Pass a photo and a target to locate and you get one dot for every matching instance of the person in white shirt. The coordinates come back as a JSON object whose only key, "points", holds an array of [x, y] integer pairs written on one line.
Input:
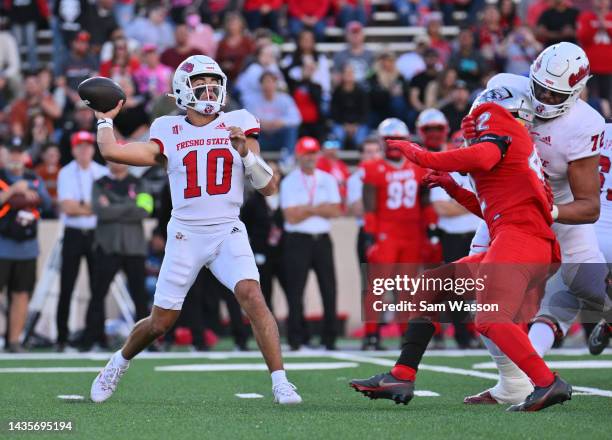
{"points": [[74, 187], [309, 198]]}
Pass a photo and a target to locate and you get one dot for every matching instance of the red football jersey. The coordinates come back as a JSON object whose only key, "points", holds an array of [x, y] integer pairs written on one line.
{"points": [[512, 192], [398, 205]]}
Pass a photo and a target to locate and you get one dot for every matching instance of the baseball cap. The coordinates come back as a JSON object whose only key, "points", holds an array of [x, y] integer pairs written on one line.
{"points": [[306, 145], [354, 26], [81, 137], [82, 36], [332, 144]]}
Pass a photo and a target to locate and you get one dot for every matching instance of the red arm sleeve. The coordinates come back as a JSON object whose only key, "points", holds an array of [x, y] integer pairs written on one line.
{"points": [[479, 157], [465, 198], [585, 32]]}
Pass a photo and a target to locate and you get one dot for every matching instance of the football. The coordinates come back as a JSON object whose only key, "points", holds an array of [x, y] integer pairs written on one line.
{"points": [[101, 94]]}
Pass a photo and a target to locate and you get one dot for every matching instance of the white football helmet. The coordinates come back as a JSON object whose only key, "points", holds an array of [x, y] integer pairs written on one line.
{"points": [[393, 128], [188, 96], [561, 71], [437, 134], [512, 100]]}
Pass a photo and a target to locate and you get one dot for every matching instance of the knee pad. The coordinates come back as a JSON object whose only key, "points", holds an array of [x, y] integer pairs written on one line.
{"points": [[588, 282], [552, 323]]}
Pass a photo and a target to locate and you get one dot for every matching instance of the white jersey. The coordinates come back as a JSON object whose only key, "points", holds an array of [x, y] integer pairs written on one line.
{"points": [[206, 173], [603, 227], [577, 134]]}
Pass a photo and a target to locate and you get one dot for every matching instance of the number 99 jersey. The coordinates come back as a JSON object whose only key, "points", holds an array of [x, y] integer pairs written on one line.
{"points": [[206, 173]]}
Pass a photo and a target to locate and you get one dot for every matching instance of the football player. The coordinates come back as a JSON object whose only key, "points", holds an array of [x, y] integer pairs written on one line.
{"points": [[510, 196], [392, 202], [567, 134], [208, 155]]}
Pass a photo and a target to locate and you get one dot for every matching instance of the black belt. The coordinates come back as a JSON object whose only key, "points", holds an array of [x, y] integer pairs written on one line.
{"points": [[81, 230], [313, 236]]}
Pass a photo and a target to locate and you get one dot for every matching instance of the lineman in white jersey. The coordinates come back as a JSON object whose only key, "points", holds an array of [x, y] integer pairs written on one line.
{"points": [[208, 154], [567, 136], [600, 336]]}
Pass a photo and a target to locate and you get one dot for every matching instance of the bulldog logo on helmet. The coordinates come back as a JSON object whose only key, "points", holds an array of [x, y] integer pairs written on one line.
{"points": [[187, 67]]}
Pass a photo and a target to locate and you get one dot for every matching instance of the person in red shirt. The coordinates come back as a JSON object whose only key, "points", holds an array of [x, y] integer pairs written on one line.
{"points": [[511, 196], [235, 47], [332, 164], [262, 13], [307, 13], [122, 62], [594, 33]]}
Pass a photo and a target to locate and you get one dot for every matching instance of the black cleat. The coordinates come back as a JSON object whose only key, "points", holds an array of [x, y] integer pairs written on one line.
{"points": [[599, 338], [557, 392], [385, 386]]}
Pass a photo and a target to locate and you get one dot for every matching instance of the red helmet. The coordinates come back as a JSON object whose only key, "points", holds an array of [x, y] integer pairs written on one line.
{"points": [[432, 128]]}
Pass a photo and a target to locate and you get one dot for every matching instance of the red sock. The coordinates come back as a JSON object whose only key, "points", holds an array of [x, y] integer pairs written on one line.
{"points": [[371, 329], [403, 372], [514, 342]]}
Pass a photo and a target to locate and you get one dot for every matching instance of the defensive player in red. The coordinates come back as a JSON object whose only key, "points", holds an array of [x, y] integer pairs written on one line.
{"points": [[392, 209], [512, 199]]}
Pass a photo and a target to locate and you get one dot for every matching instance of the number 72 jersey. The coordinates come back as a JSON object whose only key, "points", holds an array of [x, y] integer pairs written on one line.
{"points": [[206, 173]]}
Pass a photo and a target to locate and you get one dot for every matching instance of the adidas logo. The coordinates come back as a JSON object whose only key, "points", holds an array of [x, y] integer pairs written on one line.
{"points": [[546, 140], [235, 230], [221, 126]]}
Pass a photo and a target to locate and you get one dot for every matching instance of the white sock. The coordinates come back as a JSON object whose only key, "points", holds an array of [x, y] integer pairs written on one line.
{"points": [[119, 360], [278, 377], [512, 380], [542, 338]]}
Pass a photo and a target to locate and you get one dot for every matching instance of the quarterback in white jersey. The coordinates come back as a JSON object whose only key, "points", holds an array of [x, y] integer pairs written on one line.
{"points": [[207, 154], [568, 134]]}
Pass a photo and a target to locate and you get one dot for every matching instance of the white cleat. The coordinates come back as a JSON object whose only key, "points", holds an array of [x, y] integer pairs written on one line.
{"points": [[285, 394], [106, 382]]}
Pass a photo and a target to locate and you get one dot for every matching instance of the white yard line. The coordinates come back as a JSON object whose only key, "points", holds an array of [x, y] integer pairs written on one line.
{"points": [[37, 370], [256, 367], [557, 365]]}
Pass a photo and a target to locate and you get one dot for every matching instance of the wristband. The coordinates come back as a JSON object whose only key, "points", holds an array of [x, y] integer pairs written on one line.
{"points": [[554, 212], [249, 160], [105, 123]]}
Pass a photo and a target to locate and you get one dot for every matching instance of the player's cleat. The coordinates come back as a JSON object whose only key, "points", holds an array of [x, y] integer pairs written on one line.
{"points": [[599, 337], [484, 398], [385, 386], [542, 397], [106, 382], [285, 394]]}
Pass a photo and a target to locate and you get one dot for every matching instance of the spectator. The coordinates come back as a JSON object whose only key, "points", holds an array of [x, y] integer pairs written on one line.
{"points": [[351, 10], [120, 205], [48, 170], [18, 238], [279, 117], [356, 54], [469, 7], [349, 110], [509, 19], [24, 17], [74, 190], [411, 63], [152, 78], [71, 18], [458, 107], [124, 12], [10, 72], [248, 84], [100, 22], [263, 219], [37, 137], [557, 23], [201, 35], [387, 90], [132, 122], [82, 119], [437, 93], [262, 13], [411, 12], [420, 82], [467, 61], [153, 262], [35, 100], [308, 97], [519, 50], [602, 105], [306, 52], [307, 14], [329, 162], [122, 62], [490, 33], [235, 46], [76, 67], [153, 28], [182, 49], [595, 37], [108, 48], [436, 39], [309, 198]]}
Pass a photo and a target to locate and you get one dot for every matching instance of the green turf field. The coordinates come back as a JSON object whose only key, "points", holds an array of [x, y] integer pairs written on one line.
{"points": [[155, 404]]}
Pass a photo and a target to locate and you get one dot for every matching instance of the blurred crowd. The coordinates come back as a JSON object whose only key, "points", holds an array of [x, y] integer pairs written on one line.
{"points": [[277, 69]]}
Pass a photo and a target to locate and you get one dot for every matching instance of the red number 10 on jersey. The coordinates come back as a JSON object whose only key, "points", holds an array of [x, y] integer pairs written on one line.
{"points": [[215, 158]]}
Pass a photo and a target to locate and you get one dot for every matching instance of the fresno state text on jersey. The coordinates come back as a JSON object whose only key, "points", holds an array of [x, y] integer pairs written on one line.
{"points": [[206, 173]]}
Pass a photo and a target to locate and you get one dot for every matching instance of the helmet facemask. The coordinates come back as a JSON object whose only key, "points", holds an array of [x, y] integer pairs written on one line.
{"points": [[559, 102], [205, 98]]}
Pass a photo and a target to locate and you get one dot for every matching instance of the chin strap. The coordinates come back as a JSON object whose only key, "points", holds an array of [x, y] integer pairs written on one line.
{"points": [[257, 170]]}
